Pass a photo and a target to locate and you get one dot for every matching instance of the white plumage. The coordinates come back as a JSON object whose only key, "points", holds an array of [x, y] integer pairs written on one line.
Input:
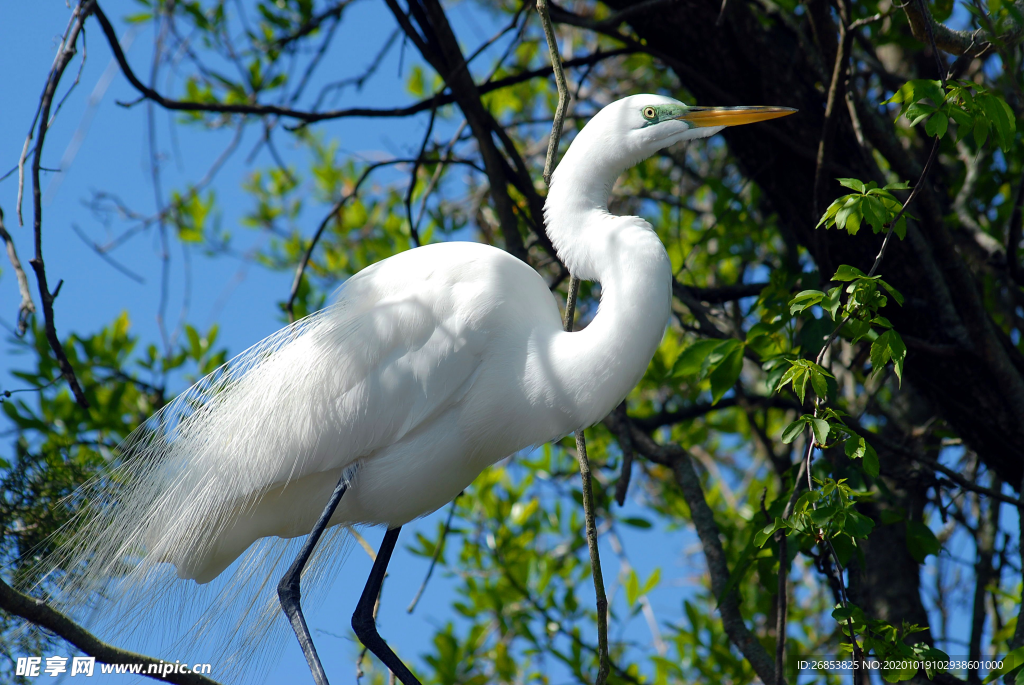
{"points": [[426, 368]]}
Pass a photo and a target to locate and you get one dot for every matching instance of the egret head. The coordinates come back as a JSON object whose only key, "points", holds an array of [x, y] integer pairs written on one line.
{"points": [[635, 127]]}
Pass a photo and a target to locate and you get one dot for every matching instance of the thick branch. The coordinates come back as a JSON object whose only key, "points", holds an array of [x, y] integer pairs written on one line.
{"points": [[41, 614], [970, 43], [703, 518], [438, 46]]}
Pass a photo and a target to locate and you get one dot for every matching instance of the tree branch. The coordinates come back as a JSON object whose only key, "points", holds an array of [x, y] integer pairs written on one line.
{"points": [[41, 614], [676, 458], [300, 271], [64, 57], [309, 117], [970, 43], [312, 25], [27, 308]]}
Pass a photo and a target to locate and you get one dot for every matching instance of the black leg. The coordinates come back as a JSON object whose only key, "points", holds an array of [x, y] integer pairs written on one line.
{"points": [[288, 589], [362, 619]]}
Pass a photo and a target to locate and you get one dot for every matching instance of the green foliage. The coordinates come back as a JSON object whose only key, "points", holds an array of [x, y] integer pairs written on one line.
{"points": [[972, 107], [799, 374], [718, 361], [889, 645], [876, 206]]}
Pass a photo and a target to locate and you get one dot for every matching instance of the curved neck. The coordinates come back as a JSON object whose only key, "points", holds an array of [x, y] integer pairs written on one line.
{"points": [[598, 366], [577, 203]]}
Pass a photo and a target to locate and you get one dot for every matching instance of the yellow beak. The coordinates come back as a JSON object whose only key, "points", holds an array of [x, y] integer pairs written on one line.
{"points": [[732, 116]]}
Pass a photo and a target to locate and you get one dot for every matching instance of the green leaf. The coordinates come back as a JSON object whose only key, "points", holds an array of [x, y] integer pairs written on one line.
{"points": [[726, 373], [833, 302], [851, 209], [845, 272], [841, 613], [819, 383], [652, 582], [937, 125], [889, 345], [1011, 662], [875, 213], [919, 112], [762, 536], [691, 360], [898, 352], [821, 429], [980, 131], [632, 587], [636, 522], [828, 218], [855, 447], [921, 541], [852, 183], [793, 430], [857, 525], [896, 295], [805, 299], [870, 462]]}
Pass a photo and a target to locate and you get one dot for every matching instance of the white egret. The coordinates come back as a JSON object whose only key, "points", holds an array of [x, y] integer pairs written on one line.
{"points": [[427, 368]]}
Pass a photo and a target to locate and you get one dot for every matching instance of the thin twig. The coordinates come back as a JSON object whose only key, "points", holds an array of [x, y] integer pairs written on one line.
{"points": [[64, 57], [570, 308], [102, 254], [300, 271], [413, 229], [437, 555], [563, 90], [27, 308], [437, 174], [312, 116]]}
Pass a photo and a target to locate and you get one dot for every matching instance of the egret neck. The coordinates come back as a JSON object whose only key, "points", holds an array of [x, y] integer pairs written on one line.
{"points": [[600, 364]]}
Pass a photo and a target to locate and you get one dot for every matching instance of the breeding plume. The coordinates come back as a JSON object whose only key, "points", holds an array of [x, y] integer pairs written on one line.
{"points": [[427, 368]]}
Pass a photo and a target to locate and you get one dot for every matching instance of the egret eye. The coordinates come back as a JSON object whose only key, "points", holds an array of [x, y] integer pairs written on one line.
{"points": [[650, 114]]}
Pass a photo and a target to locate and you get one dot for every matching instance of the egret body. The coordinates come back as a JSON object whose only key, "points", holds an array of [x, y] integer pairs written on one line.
{"points": [[427, 368]]}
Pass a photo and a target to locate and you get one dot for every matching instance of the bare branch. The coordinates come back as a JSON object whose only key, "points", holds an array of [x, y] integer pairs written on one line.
{"points": [[570, 307], [312, 25], [677, 459], [836, 93], [27, 308], [309, 117], [43, 615], [437, 555], [414, 232], [300, 271], [64, 57], [970, 43], [969, 485]]}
